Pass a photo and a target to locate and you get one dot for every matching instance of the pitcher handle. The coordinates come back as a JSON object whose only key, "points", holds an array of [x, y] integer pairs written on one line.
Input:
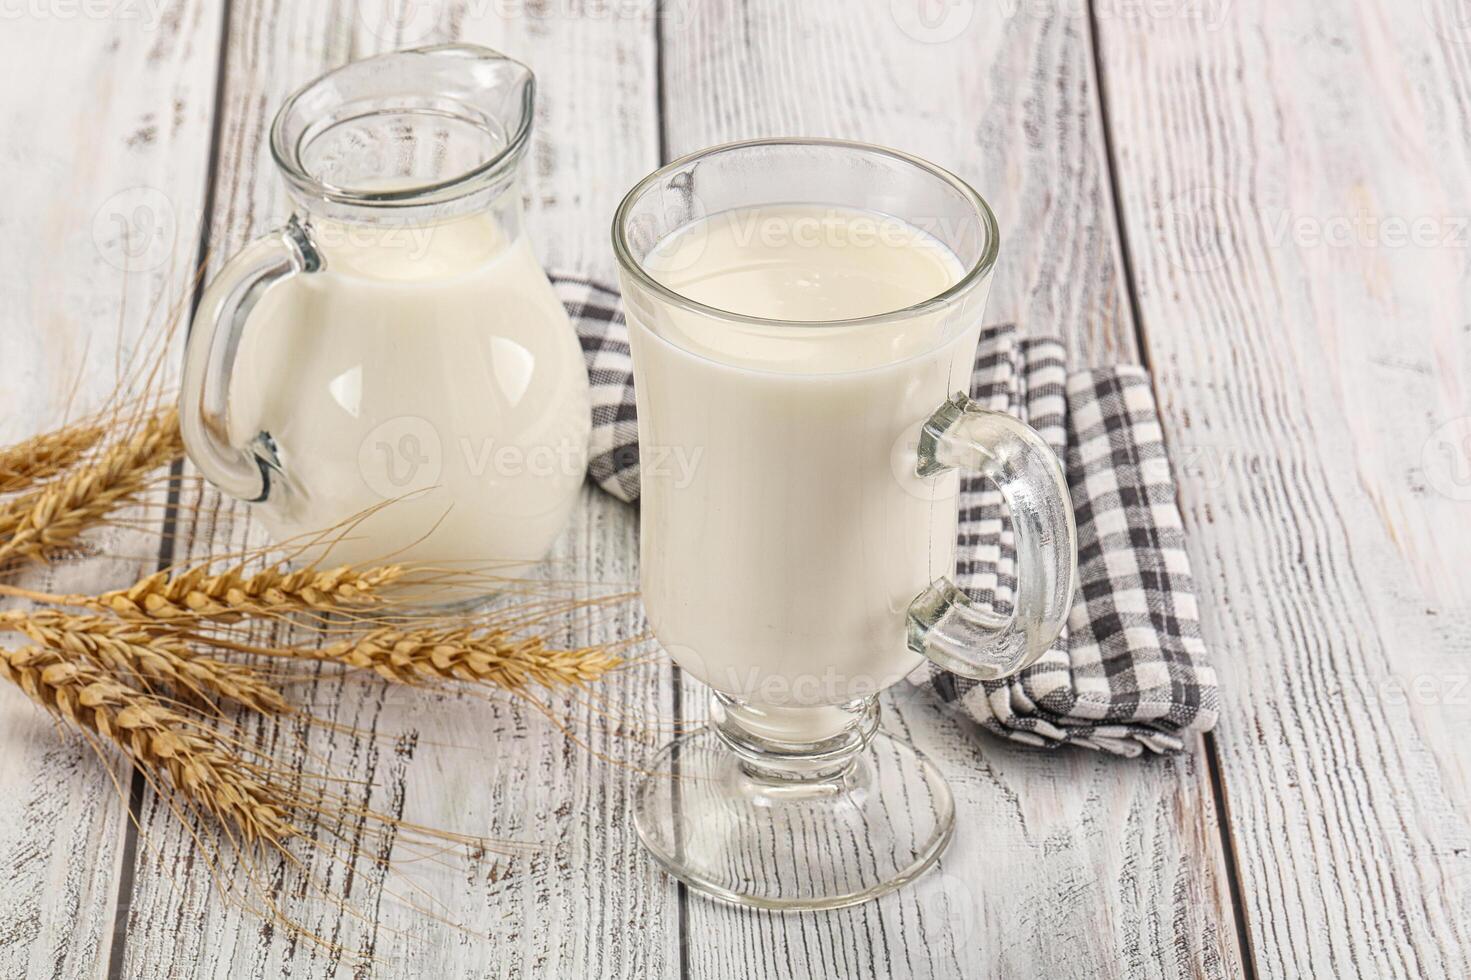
{"points": [[945, 625], [214, 340]]}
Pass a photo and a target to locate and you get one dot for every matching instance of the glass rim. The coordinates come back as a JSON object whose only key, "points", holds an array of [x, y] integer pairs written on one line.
{"points": [[973, 275], [490, 171]]}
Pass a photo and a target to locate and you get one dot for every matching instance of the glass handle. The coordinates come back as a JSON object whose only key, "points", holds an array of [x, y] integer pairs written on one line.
{"points": [[945, 625], [214, 340]]}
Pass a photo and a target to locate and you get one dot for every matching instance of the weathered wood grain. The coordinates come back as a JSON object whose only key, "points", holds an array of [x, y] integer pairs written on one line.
{"points": [[1293, 188], [1289, 370], [104, 182], [585, 902], [1064, 864], [1008, 102]]}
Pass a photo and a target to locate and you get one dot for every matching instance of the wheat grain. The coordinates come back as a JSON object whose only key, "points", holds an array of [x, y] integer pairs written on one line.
{"points": [[146, 655], [198, 760], [53, 515]]}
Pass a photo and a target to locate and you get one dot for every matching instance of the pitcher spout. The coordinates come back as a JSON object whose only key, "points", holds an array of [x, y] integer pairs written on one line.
{"points": [[496, 85], [434, 131]]}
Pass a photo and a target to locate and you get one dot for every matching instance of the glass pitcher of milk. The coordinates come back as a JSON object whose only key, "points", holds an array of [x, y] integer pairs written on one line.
{"points": [[395, 356], [804, 318]]}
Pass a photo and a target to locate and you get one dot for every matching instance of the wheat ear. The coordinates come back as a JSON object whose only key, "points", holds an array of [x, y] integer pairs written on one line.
{"points": [[151, 657], [234, 594], [41, 457], [197, 758], [430, 654], [35, 523]]}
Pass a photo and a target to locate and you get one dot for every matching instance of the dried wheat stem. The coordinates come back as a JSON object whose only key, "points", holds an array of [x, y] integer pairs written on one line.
{"points": [[233, 594], [197, 758], [44, 456], [55, 514], [152, 657]]}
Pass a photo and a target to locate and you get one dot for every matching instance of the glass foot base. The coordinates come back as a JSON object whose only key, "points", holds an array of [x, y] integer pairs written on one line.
{"points": [[774, 843]]}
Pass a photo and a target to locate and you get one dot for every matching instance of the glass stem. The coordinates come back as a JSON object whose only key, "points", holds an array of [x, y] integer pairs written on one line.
{"points": [[803, 745]]}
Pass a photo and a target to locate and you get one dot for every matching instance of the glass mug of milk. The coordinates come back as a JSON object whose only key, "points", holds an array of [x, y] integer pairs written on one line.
{"points": [[396, 351], [803, 315]]}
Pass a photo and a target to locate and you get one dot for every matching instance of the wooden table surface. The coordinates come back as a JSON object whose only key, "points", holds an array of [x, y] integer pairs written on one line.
{"points": [[1264, 202]]}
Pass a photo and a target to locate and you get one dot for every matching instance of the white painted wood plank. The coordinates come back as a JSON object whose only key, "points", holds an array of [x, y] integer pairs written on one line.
{"points": [[587, 903], [1006, 101], [1065, 864], [876, 937], [1293, 185], [100, 114]]}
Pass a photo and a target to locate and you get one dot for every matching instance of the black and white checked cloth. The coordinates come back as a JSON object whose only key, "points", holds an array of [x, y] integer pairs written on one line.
{"points": [[1130, 672]]}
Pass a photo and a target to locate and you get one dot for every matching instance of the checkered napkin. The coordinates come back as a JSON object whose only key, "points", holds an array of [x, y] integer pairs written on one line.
{"points": [[1130, 671]]}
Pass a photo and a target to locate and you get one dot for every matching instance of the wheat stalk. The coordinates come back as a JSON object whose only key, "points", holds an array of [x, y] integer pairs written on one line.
{"points": [[236, 593], [147, 655], [48, 517], [41, 457], [198, 759]]}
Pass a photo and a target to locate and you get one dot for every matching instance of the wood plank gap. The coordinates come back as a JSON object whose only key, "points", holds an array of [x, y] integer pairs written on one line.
{"points": [[1228, 853], [681, 891], [1136, 318], [117, 954], [1110, 164], [659, 100]]}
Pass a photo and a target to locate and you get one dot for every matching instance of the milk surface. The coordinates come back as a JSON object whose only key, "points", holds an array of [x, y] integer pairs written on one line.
{"points": [[433, 367], [784, 533]]}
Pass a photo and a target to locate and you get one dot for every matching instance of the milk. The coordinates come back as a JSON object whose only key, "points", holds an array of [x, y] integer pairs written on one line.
{"points": [[432, 367], [778, 566]]}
